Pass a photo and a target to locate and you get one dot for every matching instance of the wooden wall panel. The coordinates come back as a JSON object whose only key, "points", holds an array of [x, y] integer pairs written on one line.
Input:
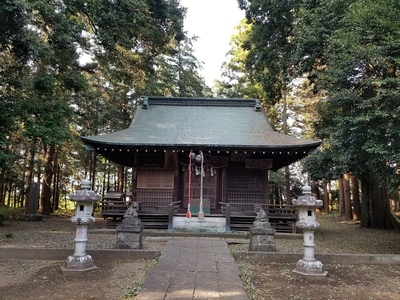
{"points": [[155, 179]]}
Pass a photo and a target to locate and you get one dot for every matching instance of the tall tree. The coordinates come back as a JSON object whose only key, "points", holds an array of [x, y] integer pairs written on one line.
{"points": [[177, 73], [238, 81], [269, 43], [42, 81], [360, 76], [270, 50]]}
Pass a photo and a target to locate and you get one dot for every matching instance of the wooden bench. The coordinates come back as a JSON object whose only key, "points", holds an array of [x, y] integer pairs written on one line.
{"points": [[241, 216]]}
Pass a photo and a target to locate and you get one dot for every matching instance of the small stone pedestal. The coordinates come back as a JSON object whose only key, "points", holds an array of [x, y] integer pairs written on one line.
{"points": [[262, 235], [308, 266], [129, 233], [80, 261]]}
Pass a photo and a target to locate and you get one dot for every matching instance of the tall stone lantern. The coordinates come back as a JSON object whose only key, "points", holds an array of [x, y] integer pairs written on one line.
{"points": [[308, 266], [85, 198]]}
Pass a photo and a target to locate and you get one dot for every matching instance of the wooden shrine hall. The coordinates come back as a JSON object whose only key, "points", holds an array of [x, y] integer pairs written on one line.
{"points": [[238, 147]]}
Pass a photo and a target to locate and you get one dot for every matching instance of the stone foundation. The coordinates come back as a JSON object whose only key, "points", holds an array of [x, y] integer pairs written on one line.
{"points": [[194, 224]]}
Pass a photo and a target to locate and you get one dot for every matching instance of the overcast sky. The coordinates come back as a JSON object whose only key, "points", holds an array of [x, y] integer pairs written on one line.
{"points": [[214, 22]]}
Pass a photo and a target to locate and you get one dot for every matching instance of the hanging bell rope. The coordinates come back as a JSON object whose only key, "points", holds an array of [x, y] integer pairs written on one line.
{"points": [[188, 214]]}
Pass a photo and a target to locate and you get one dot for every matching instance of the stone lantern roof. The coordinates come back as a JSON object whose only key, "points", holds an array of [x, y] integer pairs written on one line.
{"points": [[307, 199]]}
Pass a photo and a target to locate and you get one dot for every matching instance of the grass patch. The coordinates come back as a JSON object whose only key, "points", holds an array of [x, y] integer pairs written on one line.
{"points": [[133, 290], [10, 213], [246, 277]]}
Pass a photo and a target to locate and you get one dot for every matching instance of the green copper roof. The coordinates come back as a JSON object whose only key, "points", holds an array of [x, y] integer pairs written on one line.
{"points": [[163, 123], [202, 123]]}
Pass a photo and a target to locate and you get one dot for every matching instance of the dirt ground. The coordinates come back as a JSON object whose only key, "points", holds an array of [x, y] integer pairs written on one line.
{"points": [[44, 280], [122, 279], [277, 281]]}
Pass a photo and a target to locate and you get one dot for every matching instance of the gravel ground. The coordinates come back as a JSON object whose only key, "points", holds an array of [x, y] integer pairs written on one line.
{"points": [[122, 279], [59, 232], [333, 236], [337, 237]]}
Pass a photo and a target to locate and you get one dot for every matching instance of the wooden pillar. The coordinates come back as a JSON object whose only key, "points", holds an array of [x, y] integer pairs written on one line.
{"points": [[134, 179], [267, 200], [224, 186]]}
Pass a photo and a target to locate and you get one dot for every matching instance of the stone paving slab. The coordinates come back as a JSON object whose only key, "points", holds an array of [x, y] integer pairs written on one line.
{"points": [[194, 268]]}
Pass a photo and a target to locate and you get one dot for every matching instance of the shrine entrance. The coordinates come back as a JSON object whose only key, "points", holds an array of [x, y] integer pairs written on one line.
{"points": [[210, 190]]}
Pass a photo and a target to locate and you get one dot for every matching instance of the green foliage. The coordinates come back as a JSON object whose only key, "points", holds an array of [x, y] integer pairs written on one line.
{"points": [[177, 74], [238, 81], [348, 51], [50, 97], [269, 43], [355, 62], [133, 290], [246, 276], [10, 213], [362, 108]]}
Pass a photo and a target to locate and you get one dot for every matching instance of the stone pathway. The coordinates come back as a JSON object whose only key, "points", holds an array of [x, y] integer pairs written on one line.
{"points": [[194, 268]]}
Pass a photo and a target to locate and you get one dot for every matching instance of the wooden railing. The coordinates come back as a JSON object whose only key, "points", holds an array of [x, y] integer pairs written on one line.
{"points": [[113, 209], [282, 217]]}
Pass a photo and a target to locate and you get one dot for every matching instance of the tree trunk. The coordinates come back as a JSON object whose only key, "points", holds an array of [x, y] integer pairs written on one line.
{"points": [[103, 190], [121, 176], [355, 191], [341, 198], [30, 170], [45, 199], [93, 170], [9, 190], [2, 200], [108, 177], [285, 131], [375, 205], [56, 187], [348, 213], [287, 186], [330, 196], [325, 197], [277, 197]]}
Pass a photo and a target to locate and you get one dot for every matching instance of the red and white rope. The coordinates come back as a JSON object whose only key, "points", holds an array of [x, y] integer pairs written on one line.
{"points": [[188, 214]]}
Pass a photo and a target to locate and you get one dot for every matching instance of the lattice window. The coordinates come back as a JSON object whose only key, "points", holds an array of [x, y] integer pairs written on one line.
{"points": [[154, 196], [245, 186]]}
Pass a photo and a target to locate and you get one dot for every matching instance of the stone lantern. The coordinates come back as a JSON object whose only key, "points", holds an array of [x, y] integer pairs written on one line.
{"points": [[308, 265], [85, 198]]}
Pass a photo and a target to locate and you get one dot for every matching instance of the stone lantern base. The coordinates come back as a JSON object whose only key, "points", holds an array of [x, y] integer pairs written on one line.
{"points": [[310, 269], [262, 237], [78, 264]]}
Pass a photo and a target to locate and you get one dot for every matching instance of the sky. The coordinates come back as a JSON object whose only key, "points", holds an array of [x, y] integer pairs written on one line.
{"points": [[213, 21]]}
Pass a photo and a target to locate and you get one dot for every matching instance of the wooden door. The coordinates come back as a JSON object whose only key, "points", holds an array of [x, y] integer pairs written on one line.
{"points": [[210, 183]]}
